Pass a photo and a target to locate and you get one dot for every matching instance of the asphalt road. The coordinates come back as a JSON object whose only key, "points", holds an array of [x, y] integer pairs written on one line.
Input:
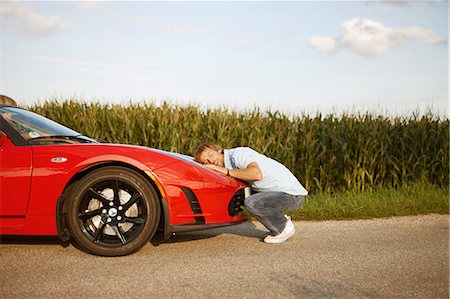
{"points": [[406, 257]]}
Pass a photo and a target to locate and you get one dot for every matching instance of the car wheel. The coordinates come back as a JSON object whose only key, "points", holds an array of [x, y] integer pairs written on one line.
{"points": [[113, 211]]}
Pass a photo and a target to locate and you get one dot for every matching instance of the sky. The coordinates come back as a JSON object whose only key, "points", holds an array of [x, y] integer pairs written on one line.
{"points": [[386, 57]]}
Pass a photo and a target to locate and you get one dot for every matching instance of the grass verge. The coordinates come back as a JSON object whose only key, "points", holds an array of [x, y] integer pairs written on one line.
{"points": [[413, 199]]}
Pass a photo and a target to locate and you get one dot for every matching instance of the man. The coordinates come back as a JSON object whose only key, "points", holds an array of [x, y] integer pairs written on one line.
{"points": [[277, 189], [7, 100]]}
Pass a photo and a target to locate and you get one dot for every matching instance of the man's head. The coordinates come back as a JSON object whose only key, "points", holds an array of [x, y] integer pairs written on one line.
{"points": [[210, 153], [7, 100]]}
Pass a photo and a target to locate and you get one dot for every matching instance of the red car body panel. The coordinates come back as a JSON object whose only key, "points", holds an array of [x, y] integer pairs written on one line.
{"points": [[34, 177], [210, 188], [15, 177]]}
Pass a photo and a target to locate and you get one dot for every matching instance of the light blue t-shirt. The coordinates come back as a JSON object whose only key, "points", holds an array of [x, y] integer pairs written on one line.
{"points": [[276, 177]]}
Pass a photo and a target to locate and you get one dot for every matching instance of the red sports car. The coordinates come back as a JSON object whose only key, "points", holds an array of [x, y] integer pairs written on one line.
{"points": [[109, 198]]}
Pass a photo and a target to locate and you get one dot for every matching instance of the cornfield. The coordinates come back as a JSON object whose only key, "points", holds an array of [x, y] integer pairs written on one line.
{"points": [[327, 153]]}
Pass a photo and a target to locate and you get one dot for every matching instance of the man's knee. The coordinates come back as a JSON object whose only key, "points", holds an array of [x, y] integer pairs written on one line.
{"points": [[252, 203], [248, 202]]}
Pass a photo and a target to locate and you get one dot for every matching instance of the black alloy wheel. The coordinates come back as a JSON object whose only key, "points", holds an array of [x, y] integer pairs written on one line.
{"points": [[113, 211]]}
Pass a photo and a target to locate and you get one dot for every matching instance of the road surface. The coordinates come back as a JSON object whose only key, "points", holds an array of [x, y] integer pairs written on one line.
{"points": [[404, 257]]}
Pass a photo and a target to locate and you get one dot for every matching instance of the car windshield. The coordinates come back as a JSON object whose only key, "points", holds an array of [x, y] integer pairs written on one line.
{"points": [[34, 125]]}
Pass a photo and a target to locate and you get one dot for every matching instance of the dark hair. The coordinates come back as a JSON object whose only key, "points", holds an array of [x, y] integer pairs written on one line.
{"points": [[203, 147], [7, 100]]}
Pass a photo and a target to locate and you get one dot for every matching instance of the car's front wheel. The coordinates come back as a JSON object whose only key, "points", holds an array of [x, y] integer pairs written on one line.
{"points": [[113, 211]]}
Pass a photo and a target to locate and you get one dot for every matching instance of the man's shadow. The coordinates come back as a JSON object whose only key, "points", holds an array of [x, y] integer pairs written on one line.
{"points": [[246, 229]]}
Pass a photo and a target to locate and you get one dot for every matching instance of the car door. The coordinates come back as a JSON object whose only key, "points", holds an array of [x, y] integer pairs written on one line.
{"points": [[15, 176]]}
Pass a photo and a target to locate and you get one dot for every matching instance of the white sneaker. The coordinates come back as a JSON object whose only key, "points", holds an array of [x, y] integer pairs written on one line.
{"points": [[287, 232]]}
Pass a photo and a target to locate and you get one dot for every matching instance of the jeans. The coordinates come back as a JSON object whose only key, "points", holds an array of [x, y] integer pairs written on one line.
{"points": [[267, 207]]}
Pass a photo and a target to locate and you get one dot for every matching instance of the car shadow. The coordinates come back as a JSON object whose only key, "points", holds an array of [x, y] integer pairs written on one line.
{"points": [[245, 229], [30, 240]]}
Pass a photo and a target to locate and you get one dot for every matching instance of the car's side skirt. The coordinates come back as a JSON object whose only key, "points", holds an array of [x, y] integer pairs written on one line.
{"points": [[180, 228], [29, 225]]}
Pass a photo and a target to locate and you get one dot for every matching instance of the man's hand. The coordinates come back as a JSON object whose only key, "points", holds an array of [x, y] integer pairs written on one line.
{"points": [[220, 169]]}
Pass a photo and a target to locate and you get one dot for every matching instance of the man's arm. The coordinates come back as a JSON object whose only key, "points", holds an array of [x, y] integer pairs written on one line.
{"points": [[250, 174]]}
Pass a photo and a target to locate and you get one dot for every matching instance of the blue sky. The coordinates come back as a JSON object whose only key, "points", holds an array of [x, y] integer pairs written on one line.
{"points": [[296, 56]]}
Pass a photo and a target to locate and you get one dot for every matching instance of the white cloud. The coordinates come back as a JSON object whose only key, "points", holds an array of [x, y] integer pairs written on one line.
{"points": [[91, 5], [370, 38], [387, 5], [31, 22], [183, 29], [101, 8], [423, 34], [102, 70], [324, 44], [177, 29], [243, 42], [200, 30], [250, 40]]}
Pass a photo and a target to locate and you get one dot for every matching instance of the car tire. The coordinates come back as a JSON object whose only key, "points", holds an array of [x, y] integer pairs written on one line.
{"points": [[113, 211]]}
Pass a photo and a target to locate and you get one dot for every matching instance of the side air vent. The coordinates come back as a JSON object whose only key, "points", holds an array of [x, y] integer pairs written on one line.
{"points": [[234, 207], [195, 205]]}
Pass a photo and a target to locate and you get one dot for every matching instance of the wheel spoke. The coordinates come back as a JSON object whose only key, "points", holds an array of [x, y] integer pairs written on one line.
{"points": [[92, 193], [99, 231], [136, 220], [115, 187], [132, 201], [119, 234], [90, 214]]}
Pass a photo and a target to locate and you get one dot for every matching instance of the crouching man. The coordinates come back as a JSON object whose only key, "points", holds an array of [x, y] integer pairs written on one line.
{"points": [[277, 189]]}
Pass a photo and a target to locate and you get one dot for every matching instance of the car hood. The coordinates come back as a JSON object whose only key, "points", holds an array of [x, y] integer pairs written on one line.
{"points": [[164, 165]]}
